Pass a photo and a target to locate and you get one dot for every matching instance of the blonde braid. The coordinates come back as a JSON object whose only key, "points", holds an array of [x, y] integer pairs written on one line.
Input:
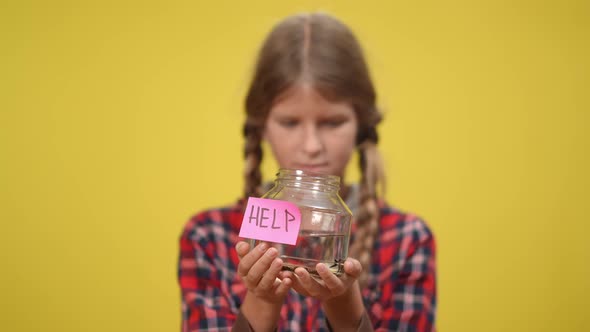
{"points": [[367, 218], [253, 159]]}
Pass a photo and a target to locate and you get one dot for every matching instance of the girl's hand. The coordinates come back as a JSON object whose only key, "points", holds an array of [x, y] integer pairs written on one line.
{"points": [[259, 270], [330, 285]]}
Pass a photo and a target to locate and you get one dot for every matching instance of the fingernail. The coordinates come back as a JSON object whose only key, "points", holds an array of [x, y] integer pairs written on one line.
{"points": [[239, 245], [299, 272], [277, 263], [262, 247], [271, 252]]}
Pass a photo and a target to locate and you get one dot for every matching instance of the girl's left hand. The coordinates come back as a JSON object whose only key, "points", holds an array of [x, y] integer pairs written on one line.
{"points": [[330, 285]]}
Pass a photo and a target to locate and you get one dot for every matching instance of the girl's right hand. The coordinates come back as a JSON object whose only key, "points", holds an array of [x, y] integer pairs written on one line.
{"points": [[259, 269]]}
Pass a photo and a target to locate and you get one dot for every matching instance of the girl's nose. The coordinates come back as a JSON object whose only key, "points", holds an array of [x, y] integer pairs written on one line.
{"points": [[312, 143]]}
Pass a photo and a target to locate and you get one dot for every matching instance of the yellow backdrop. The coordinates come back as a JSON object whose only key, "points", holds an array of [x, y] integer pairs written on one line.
{"points": [[120, 119]]}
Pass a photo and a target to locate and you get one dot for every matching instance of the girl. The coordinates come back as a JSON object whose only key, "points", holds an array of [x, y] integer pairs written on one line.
{"points": [[312, 100]]}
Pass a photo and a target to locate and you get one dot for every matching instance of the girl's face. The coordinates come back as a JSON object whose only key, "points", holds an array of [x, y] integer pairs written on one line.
{"points": [[308, 132]]}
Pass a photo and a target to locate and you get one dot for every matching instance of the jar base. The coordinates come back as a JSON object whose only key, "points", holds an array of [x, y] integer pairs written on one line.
{"points": [[336, 267]]}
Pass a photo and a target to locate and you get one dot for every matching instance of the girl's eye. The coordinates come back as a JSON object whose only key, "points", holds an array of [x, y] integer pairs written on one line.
{"points": [[333, 123], [288, 123]]}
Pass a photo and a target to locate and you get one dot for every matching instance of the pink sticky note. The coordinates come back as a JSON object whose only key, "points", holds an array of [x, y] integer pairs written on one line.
{"points": [[271, 220]]}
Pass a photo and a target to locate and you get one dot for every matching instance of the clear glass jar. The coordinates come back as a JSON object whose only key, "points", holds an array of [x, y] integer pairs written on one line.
{"points": [[324, 233]]}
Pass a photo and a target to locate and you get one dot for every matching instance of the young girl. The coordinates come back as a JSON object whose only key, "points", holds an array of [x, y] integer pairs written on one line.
{"points": [[312, 100]]}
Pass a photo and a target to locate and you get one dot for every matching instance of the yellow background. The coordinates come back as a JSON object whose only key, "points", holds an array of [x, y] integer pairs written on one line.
{"points": [[119, 120]]}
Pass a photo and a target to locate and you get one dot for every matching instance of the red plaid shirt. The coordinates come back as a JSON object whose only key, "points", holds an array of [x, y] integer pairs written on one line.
{"points": [[400, 295]]}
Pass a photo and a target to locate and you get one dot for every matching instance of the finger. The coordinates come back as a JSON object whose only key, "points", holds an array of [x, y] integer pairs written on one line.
{"points": [[286, 274], [269, 278], [353, 268], [283, 287], [298, 286], [331, 281], [307, 281], [295, 282], [262, 266], [242, 248], [250, 258]]}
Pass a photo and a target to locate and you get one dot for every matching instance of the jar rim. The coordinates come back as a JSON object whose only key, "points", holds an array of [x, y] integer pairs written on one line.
{"points": [[329, 179]]}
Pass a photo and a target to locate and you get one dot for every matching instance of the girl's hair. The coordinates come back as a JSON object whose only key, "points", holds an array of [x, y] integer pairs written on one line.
{"points": [[318, 49]]}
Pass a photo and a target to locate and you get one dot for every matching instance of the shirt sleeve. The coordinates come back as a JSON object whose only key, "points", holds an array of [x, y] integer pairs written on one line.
{"points": [[205, 306], [412, 305], [242, 324], [364, 324]]}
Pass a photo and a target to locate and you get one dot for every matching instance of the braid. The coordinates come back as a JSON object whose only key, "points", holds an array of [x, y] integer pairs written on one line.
{"points": [[367, 218], [253, 159]]}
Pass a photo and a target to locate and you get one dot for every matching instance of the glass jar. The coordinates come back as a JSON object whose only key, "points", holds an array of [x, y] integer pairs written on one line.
{"points": [[324, 231]]}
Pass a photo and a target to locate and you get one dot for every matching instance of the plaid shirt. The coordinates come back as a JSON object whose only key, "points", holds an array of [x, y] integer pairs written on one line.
{"points": [[400, 295]]}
